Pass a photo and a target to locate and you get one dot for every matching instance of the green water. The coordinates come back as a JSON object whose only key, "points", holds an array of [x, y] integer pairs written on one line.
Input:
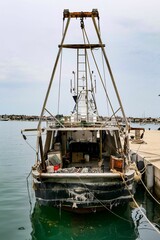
{"points": [[19, 220], [52, 224]]}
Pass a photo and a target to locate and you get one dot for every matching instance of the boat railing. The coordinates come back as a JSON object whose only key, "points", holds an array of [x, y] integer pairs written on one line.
{"points": [[70, 124]]}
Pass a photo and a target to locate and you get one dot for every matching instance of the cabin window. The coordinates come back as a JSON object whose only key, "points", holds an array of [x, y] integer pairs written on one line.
{"points": [[110, 142]]}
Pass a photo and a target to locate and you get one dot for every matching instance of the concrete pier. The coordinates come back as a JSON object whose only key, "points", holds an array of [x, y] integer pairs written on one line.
{"points": [[149, 150]]}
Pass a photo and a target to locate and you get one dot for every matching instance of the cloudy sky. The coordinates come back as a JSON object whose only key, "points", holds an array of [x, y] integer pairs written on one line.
{"points": [[30, 31]]}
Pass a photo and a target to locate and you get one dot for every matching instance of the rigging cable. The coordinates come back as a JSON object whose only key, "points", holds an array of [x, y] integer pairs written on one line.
{"points": [[60, 74], [92, 92], [111, 74], [104, 74], [25, 138], [59, 122], [101, 78]]}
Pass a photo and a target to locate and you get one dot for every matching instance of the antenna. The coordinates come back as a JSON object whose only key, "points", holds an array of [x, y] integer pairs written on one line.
{"points": [[71, 86], [95, 86], [74, 86]]}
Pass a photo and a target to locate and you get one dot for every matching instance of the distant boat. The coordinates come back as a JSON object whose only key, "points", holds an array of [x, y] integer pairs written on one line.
{"points": [[83, 163], [4, 119]]}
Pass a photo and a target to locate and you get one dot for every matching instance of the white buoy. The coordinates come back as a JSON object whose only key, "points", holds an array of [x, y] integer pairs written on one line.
{"points": [[150, 176]]}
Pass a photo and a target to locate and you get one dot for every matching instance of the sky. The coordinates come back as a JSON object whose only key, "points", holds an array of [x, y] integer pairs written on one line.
{"points": [[30, 31]]}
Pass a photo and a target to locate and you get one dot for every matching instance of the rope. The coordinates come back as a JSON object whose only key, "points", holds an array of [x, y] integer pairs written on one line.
{"points": [[25, 138], [138, 149], [138, 205], [144, 170], [55, 118], [60, 75], [59, 87], [105, 82], [149, 192], [87, 60], [29, 196], [101, 78], [124, 219]]}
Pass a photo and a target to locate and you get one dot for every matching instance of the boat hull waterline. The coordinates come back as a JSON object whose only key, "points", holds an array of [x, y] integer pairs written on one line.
{"points": [[83, 192]]}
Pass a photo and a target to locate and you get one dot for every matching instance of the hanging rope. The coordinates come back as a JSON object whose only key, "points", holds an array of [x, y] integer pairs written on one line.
{"points": [[143, 171], [137, 203], [124, 219], [25, 138], [149, 192], [29, 195]]}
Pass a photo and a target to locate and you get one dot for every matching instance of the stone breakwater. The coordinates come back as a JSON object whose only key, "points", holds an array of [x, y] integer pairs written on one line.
{"points": [[19, 118], [36, 118]]}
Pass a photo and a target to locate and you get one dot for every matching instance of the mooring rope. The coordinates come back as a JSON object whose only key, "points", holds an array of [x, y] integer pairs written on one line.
{"points": [[137, 204], [149, 192], [132, 199], [142, 172], [124, 219]]}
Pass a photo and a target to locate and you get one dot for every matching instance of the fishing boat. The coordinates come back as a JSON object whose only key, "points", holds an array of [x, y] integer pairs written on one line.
{"points": [[83, 161]]}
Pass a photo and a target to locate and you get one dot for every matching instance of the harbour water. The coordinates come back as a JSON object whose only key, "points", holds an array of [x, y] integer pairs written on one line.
{"points": [[22, 220]]}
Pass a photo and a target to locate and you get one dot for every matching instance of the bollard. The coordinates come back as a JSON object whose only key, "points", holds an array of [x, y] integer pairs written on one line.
{"points": [[150, 176]]}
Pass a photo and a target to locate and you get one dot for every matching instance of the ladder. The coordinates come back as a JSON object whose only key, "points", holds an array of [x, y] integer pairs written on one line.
{"points": [[82, 84]]}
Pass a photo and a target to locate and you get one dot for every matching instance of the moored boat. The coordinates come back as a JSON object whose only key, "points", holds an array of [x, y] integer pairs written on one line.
{"points": [[83, 163]]}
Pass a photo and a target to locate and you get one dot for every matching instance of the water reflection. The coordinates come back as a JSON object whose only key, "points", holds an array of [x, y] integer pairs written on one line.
{"points": [[150, 209], [143, 227], [48, 223]]}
